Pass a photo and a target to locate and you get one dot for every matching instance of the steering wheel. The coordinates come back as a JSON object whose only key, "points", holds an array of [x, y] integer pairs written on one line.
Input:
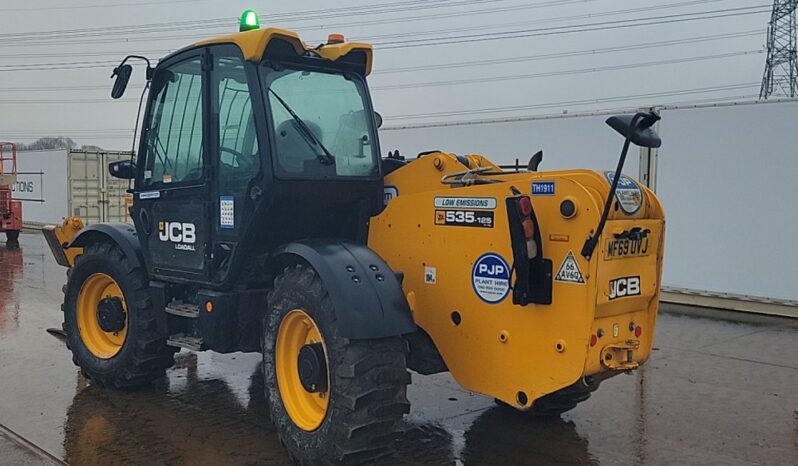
{"points": [[244, 162]]}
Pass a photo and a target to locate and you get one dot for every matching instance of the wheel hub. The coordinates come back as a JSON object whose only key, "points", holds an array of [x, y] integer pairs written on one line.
{"points": [[312, 367], [111, 314]]}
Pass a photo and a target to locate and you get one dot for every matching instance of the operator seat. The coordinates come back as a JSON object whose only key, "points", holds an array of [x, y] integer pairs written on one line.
{"points": [[293, 149]]}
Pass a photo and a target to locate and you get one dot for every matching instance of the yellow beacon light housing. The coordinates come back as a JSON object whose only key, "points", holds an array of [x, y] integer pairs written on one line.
{"points": [[249, 21]]}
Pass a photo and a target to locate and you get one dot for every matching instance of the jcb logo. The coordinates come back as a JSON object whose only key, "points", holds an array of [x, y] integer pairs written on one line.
{"points": [[626, 286], [177, 232]]}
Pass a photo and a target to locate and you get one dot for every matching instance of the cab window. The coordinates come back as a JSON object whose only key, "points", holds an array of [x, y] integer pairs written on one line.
{"points": [[237, 151], [321, 124], [173, 131]]}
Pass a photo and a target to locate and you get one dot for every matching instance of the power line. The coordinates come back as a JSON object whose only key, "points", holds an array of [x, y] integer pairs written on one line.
{"points": [[75, 39], [571, 17], [99, 5], [494, 79], [574, 53], [203, 24], [416, 85], [126, 133], [588, 27], [517, 108], [463, 64]]}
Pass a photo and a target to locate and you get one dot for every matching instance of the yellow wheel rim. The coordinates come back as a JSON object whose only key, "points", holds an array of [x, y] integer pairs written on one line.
{"points": [[102, 344], [306, 409]]}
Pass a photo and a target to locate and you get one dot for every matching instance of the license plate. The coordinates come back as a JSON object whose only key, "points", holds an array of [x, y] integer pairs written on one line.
{"points": [[621, 248]]}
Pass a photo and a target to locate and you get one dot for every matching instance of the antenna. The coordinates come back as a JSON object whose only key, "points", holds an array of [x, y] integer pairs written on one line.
{"points": [[781, 65]]}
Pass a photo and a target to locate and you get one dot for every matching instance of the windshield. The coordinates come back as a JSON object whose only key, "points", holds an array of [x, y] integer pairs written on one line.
{"points": [[321, 124]]}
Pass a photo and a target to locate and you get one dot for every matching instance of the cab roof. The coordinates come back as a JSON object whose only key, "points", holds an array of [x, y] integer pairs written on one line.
{"points": [[257, 43]]}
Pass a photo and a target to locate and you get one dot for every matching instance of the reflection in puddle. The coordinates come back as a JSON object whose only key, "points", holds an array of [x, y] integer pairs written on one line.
{"points": [[10, 273]]}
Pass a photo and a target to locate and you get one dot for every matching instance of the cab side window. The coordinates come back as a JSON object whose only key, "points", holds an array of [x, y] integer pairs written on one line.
{"points": [[238, 153], [173, 137]]}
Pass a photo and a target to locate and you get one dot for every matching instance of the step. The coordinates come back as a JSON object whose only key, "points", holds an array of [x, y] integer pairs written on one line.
{"points": [[183, 310], [182, 341]]}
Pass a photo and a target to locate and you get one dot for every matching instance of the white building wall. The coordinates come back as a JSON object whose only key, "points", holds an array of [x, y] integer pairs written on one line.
{"points": [[726, 175], [727, 179]]}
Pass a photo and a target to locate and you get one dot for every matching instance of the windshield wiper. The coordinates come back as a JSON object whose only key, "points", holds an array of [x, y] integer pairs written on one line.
{"points": [[306, 132]]}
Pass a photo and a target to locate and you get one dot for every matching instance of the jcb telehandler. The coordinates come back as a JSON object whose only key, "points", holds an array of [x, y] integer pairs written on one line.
{"points": [[265, 220]]}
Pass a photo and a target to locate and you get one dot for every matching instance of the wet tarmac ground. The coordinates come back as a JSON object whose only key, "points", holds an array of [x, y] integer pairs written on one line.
{"points": [[714, 392]]}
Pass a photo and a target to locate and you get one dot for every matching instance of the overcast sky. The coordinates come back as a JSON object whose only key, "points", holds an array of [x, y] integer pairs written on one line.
{"points": [[434, 60]]}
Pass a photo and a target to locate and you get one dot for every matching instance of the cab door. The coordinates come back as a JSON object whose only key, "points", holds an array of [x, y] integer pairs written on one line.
{"points": [[171, 208], [236, 156]]}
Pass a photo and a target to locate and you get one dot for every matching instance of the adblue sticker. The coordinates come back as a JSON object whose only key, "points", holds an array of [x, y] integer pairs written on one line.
{"points": [[490, 278], [628, 193]]}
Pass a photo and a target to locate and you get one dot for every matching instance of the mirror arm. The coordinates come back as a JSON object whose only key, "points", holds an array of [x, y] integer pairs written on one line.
{"points": [[592, 240], [150, 69]]}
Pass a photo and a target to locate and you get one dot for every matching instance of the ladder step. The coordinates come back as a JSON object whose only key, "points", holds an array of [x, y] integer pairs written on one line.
{"points": [[183, 310], [183, 341]]}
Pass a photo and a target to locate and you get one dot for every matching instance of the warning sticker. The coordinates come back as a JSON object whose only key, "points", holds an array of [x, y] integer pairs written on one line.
{"points": [[490, 278], [430, 275], [569, 270], [628, 193], [227, 212]]}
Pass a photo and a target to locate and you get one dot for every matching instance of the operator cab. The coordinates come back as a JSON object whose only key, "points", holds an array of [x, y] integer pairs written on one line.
{"points": [[249, 141]]}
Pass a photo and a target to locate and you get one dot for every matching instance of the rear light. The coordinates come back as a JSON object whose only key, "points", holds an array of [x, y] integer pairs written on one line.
{"points": [[638, 331], [593, 340], [529, 228], [532, 272], [525, 206]]}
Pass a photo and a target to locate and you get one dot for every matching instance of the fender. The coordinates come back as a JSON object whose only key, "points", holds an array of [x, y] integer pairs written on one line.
{"points": [[123, 234], [367, 295]]}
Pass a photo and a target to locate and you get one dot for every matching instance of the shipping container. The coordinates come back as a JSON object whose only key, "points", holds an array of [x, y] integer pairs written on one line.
{"points": [[54, 184]]}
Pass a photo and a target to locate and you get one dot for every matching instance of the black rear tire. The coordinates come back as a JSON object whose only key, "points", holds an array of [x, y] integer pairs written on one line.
{"points": [[367, 380], [144, 355], [12, 235]]}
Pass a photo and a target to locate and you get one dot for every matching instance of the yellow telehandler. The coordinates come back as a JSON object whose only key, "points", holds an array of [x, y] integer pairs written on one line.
{"points": [[265, 220]]}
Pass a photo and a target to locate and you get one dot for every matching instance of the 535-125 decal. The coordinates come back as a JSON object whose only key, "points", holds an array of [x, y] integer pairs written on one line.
{"points": [[464, 218]]}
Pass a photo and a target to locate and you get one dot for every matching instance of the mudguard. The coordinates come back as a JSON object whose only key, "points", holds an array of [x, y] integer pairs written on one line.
{"points": [[367, 295], [123, 234]]}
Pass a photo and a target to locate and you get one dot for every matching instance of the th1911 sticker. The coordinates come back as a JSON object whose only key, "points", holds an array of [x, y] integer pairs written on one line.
{"points": [[543, 188], [490, 278], [628, 193], [464, 218], [569, 271]]}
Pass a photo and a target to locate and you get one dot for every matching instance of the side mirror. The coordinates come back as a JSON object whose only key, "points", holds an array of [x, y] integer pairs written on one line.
{"points": [[378, 120], [642, 135], [123, 169], [122, 74]]}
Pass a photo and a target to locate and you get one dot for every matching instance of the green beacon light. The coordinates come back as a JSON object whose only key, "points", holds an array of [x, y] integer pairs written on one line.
{"points": [[249, 21]]}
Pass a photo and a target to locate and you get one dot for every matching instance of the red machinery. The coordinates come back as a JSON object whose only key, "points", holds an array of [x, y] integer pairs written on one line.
{"points": [[10, 210]]}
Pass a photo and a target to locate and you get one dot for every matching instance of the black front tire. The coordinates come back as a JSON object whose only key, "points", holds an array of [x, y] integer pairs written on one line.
{"points": [[144, 355], [368, 380]]}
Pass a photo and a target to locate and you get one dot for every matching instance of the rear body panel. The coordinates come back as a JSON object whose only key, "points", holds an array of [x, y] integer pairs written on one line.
{"points": [[452, 243]]}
